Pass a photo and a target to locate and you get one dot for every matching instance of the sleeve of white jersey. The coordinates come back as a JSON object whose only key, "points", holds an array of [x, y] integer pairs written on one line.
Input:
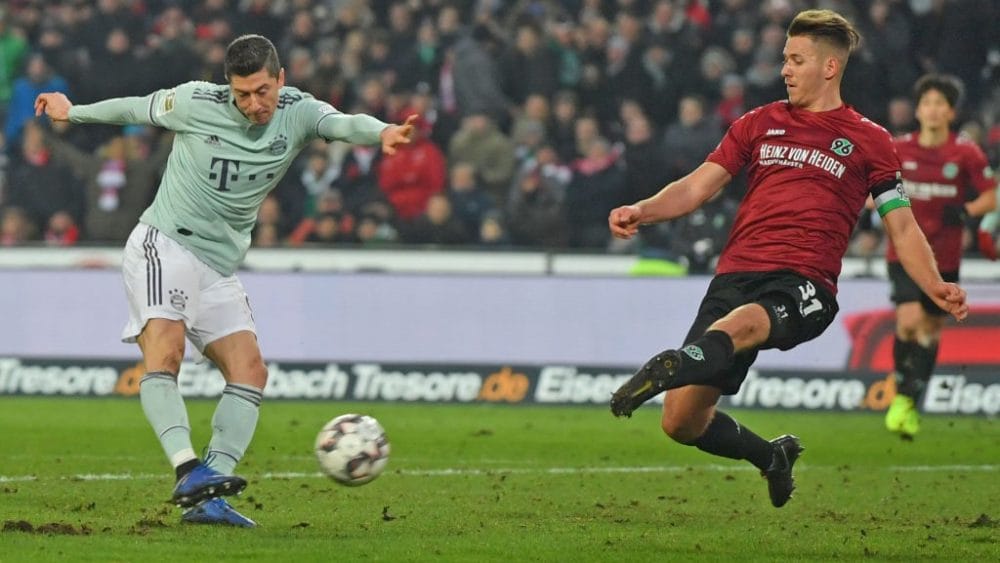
{"points": [[322, 120], [164, 108]]}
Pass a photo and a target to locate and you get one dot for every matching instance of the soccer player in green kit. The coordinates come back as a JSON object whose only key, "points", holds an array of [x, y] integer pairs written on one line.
{"points": [[233, 144]]}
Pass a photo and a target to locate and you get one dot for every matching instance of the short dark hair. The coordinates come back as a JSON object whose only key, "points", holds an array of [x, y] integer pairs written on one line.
{"points": [[828, 26], [949, 86], [248, 54]]}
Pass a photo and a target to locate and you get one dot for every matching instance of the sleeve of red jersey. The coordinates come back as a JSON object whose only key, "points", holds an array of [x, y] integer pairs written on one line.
{"points": [[883, 159], [733, 151], [980, 174]]}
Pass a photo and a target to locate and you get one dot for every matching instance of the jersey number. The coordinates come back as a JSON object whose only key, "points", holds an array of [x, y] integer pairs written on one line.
{"points": [[808, 291]]}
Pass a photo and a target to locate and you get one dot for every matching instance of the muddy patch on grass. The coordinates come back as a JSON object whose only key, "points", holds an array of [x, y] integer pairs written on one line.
{"points": [[49, 528]]}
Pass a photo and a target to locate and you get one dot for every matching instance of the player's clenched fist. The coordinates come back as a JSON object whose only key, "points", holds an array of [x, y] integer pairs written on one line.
{"points": [[624, 221], [53, 104]]}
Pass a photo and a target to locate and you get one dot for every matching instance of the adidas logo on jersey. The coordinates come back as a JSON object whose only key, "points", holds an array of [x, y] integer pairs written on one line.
{"points": [[213, 140], [775, 132]]}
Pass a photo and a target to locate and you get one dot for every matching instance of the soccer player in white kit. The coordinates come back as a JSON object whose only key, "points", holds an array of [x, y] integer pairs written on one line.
{"points": [[233, 144]]}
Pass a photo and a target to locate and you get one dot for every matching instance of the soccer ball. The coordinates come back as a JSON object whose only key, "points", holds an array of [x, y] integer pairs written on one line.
{"points": [[352, 449]]}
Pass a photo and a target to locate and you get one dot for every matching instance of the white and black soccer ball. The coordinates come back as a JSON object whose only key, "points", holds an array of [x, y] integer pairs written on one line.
{"points": [[352, 449]]}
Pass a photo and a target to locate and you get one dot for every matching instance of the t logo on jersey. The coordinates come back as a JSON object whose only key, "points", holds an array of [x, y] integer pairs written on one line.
{"points": [[842, 147], [229, 172]]}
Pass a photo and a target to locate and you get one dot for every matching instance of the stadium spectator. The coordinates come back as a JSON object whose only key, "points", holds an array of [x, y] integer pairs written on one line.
{"points": [[646, 169], [356, 179], [491, 231], [481, 143], [733, 104], [38, 78], [13, 49], [39, 184], [437, 225], [119, 179], [529, 65], [332, 229], [562, 129], [115, 57], [535, 205], [688, 140], [475, 84], [420, 65], [16, 227], [329, 202], [376, 226], [598, 184], [410, 177], [388, 51], [900, 119], [318, 177], [61, 230]]}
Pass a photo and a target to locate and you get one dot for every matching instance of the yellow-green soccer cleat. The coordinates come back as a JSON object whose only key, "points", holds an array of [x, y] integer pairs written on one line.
{"points": [[902, 416]]}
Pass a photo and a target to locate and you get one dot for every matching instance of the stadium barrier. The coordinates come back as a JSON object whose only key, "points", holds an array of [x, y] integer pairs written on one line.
{"points": [[534, 327], [973, 394]]}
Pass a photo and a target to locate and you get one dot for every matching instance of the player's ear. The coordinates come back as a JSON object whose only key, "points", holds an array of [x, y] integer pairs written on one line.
{"points": [[832, 67]]}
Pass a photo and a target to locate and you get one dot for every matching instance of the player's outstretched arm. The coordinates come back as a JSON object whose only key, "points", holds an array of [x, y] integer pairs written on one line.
{"points": [[918, 261], [395, 135], [55, 105], [113, 111], [678, 198]]}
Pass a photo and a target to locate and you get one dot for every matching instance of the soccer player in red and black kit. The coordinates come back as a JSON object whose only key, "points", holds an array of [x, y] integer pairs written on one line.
{"points": [[938, 167], [812, 161]]}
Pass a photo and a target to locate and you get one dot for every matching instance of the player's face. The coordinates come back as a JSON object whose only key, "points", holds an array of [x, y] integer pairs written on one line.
{"points": [[257, 94], [804, 70], [934, 111]]}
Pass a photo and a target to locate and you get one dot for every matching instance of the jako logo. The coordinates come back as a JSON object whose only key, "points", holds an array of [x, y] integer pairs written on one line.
{"points": [[775, 132]]}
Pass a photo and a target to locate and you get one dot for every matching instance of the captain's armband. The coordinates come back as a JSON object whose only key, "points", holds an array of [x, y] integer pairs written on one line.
{"points": [[889, 195]]}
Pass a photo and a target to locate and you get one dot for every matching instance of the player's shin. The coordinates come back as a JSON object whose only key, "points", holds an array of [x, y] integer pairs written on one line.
{"points": [[725, 437], [233, 426], [914, 364], [924, 360], [164, 408]]}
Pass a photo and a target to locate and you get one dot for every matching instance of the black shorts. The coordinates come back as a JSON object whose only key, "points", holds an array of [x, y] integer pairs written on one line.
{"points": [[905, 290], [800, 310]]}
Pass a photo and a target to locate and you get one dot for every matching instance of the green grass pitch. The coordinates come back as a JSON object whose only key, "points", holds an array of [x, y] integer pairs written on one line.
{"points": [[85, 480]]}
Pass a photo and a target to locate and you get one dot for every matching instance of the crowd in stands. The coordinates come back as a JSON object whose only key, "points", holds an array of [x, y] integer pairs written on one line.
{"points": [[536, 117]]}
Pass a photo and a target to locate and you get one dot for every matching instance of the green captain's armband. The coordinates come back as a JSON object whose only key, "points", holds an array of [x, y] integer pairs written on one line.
{"points": [[889, 195]]}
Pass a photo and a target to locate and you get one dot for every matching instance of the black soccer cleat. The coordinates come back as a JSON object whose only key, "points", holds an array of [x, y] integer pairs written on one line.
{"points": [[780, 482], [651, 380]]}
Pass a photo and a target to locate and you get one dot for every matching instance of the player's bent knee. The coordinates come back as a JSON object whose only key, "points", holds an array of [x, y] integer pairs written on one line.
{"points": [[682, 429], [253, 374]]}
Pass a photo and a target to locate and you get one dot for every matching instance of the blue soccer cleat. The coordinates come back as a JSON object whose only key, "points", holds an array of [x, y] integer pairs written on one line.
{"points": [[203, 483], [216, 511]]}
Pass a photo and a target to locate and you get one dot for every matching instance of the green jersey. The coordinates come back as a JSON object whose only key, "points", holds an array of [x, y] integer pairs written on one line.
{"points": [[222, 165]]}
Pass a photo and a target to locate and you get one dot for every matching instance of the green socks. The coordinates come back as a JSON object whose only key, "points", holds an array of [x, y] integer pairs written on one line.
{"points": [[233, 426]]}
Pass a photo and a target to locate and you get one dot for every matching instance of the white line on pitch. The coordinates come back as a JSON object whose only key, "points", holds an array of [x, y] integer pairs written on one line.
{"points": [[471, 471], [933, 468]]}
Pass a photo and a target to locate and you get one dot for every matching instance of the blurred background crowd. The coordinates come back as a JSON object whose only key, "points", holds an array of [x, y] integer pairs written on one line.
{"points": [[536, 116]]}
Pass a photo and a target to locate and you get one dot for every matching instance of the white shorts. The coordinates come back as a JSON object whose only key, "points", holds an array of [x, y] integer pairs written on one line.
{"points": [[164, 280]]}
